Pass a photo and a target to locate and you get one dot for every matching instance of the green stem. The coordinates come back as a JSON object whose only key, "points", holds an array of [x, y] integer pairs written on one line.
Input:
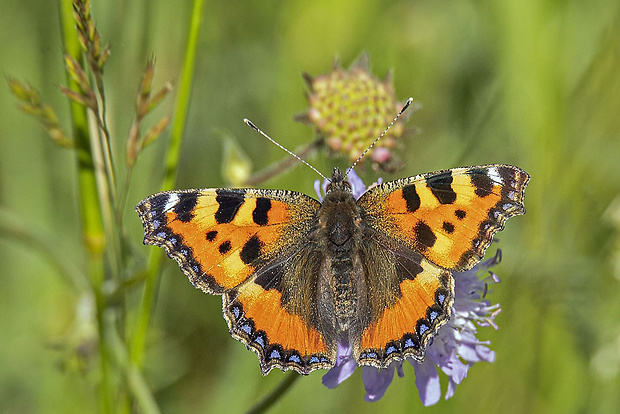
{"points": [[172, 161], [183, 97], [284, 165], [91, 216], [131, 374], [275, 395]]}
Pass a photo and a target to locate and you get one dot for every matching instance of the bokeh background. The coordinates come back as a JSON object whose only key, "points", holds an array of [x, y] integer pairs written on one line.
{"points": [[532, 83]]}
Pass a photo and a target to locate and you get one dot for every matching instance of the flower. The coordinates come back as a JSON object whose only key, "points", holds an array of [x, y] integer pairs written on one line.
{"points": [[349, 108], [453, 350]]}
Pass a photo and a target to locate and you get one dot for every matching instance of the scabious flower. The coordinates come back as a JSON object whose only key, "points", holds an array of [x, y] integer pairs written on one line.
{"points": [[350, 108], [453, 350]]}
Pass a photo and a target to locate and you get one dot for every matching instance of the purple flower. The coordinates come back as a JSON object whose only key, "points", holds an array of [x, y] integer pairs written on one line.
{"points": [[345, 365], [453, 350]]}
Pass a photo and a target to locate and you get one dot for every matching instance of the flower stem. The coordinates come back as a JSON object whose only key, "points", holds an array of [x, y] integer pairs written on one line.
{"points": [[183, 97], [132, 376], [285, 164], [274, 395], [90, 208], [172, 161]]}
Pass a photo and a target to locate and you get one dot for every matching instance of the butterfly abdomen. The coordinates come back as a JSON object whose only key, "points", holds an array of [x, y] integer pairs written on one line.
{"points": [[339, 220]]}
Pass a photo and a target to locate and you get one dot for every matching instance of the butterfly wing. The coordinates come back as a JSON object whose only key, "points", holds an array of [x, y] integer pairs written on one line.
{"points": [[449, 216], [409, 299], [427, 225], [249, 246]]}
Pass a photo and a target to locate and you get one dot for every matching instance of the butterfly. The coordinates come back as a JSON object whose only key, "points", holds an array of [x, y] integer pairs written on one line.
{"points": [[298, 277]]}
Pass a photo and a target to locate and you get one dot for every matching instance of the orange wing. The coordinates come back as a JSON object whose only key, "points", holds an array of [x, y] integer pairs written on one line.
{"points": [[449, 216], [409, 298], [238, 242], [258, 316], [427, 225]]}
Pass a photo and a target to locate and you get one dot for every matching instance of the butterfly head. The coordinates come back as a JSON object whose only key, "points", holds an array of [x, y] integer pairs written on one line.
{"points": [[338, 182]]}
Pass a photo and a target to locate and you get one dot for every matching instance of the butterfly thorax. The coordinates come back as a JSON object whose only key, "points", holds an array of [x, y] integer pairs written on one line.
{"points": [[340, 287]]}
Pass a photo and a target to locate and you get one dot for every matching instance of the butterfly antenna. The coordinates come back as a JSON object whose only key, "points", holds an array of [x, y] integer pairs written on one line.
{"points": [[257, 129], [380, 136]]}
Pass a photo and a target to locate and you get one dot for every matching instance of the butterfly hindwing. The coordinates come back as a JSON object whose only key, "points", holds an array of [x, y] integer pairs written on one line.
{"points": [[276, 313], [410, 300], [239, 243]]}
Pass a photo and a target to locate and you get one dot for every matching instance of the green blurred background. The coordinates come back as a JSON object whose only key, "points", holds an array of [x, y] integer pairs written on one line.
{"points": [[532, 83]]}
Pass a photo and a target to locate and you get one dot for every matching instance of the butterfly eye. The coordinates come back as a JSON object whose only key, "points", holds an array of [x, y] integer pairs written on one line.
{"points": [[347, 184], [329, 186]]}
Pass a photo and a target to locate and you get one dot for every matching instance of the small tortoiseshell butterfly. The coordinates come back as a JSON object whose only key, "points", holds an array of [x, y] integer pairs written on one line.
{"points": [[299, 276]]}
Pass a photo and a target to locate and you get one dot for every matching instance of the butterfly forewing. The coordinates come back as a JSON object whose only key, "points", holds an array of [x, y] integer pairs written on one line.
{"points": [[448, 216]]}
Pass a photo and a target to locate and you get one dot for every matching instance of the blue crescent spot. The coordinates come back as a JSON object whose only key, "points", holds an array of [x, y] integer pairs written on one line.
{"points": [[260, 340], [433, 315], [441, 298]]}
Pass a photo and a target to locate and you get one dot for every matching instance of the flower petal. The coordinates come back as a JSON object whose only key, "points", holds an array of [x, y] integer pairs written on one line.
{"points": [[376, 381], [338, 374], [357, 185], [427, 381], [317, 188], [345, 366], [451, 389]]}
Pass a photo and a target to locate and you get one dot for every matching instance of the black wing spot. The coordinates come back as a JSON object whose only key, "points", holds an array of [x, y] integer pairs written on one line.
{"points": [[211, 235], [448, 227], [425, 237], [225, 247], [441, 187], [251, 250], [271, 278], [460, 214], [184, 208], [412, 198], [407, 269], [481, 180], [229, 205], [260, 214]]}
